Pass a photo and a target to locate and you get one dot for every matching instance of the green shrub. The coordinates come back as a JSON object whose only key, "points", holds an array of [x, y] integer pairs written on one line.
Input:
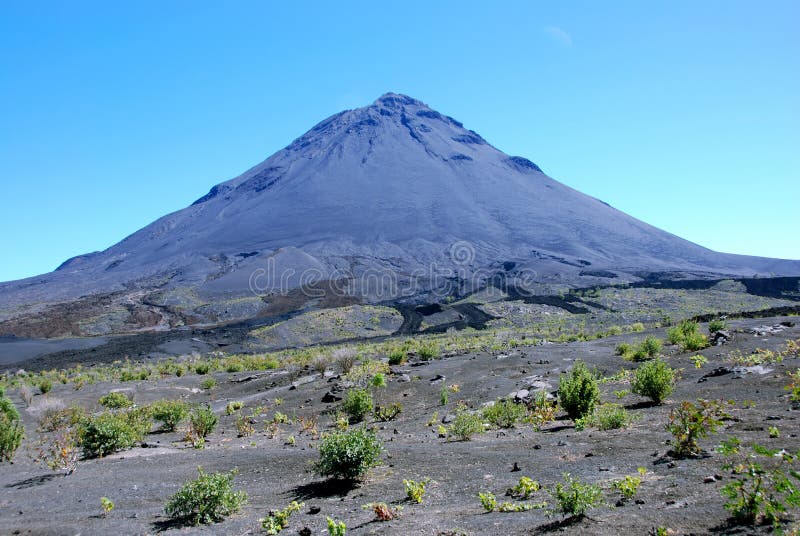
{"points": [[336, 528], [208, 384], [690, 422], [465, 425], [357, 404], [627, 486], [387, 413], [8, 408], [654, 379], [504, 413], [107, 433], [277, 520], [651, 346], [688, 336], [348, 454], [427, 352], [575, 498], [488, 501], [45, 386], [578, 392], [764, 485], [637, 327], [207, 499], [115, 400], [415, 489], [233, 407], [202, 368], [716, 325], [169, 412], [524, 488], [694, 342], [11, 435], [397, 357], [623, 349], [203, 420], [611, 417]]}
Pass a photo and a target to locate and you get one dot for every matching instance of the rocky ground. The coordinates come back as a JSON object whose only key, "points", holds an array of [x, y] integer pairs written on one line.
{"points": [[681, 495]]}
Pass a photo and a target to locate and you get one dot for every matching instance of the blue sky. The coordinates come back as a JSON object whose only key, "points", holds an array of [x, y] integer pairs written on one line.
{"points": [[683, 114]]}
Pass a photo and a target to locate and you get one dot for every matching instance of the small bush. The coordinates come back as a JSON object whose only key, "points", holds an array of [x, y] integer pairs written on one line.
{"points": [[628, 486], [623, 349], [233, 407], [688, 336], [345, 358], [611, 417], [203, 421], [504, 413], [415, 489], [8, 408], [654, 379], [115, 400], [764, 485], [348, 454], [651, 346], [208, 384], [169, 412], [202, 368], [357, 404], [578, 391], [277, 520], [465, 425], [716, 325], [575, 498], [336, 528], [524, 488], [427, 352], [107, 505], [690, 422], [488, 501], [207, 499], [397, 357], [11, 435], [45, 386], [383, 512], [106, 433], [387, 413]]}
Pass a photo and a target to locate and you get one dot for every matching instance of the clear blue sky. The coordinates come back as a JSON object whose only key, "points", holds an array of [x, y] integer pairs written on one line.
{"points": [[685, 114]]}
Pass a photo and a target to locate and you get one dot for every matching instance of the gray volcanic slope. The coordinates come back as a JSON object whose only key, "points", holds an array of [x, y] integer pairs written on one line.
{"points": [[391, 186]]}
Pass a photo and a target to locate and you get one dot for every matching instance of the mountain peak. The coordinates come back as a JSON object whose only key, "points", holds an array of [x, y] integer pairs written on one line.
{"points": [[397, 100]]}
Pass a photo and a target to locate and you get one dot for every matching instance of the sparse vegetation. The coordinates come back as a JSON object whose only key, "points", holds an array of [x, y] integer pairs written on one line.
{"points": [[764, 485], [488, 501], [277, 520], [209, 498], [336, 527], [690, 422]]}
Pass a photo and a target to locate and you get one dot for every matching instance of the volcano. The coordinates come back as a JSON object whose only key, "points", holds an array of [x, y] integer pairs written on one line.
{"points": [[393, 201]]}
